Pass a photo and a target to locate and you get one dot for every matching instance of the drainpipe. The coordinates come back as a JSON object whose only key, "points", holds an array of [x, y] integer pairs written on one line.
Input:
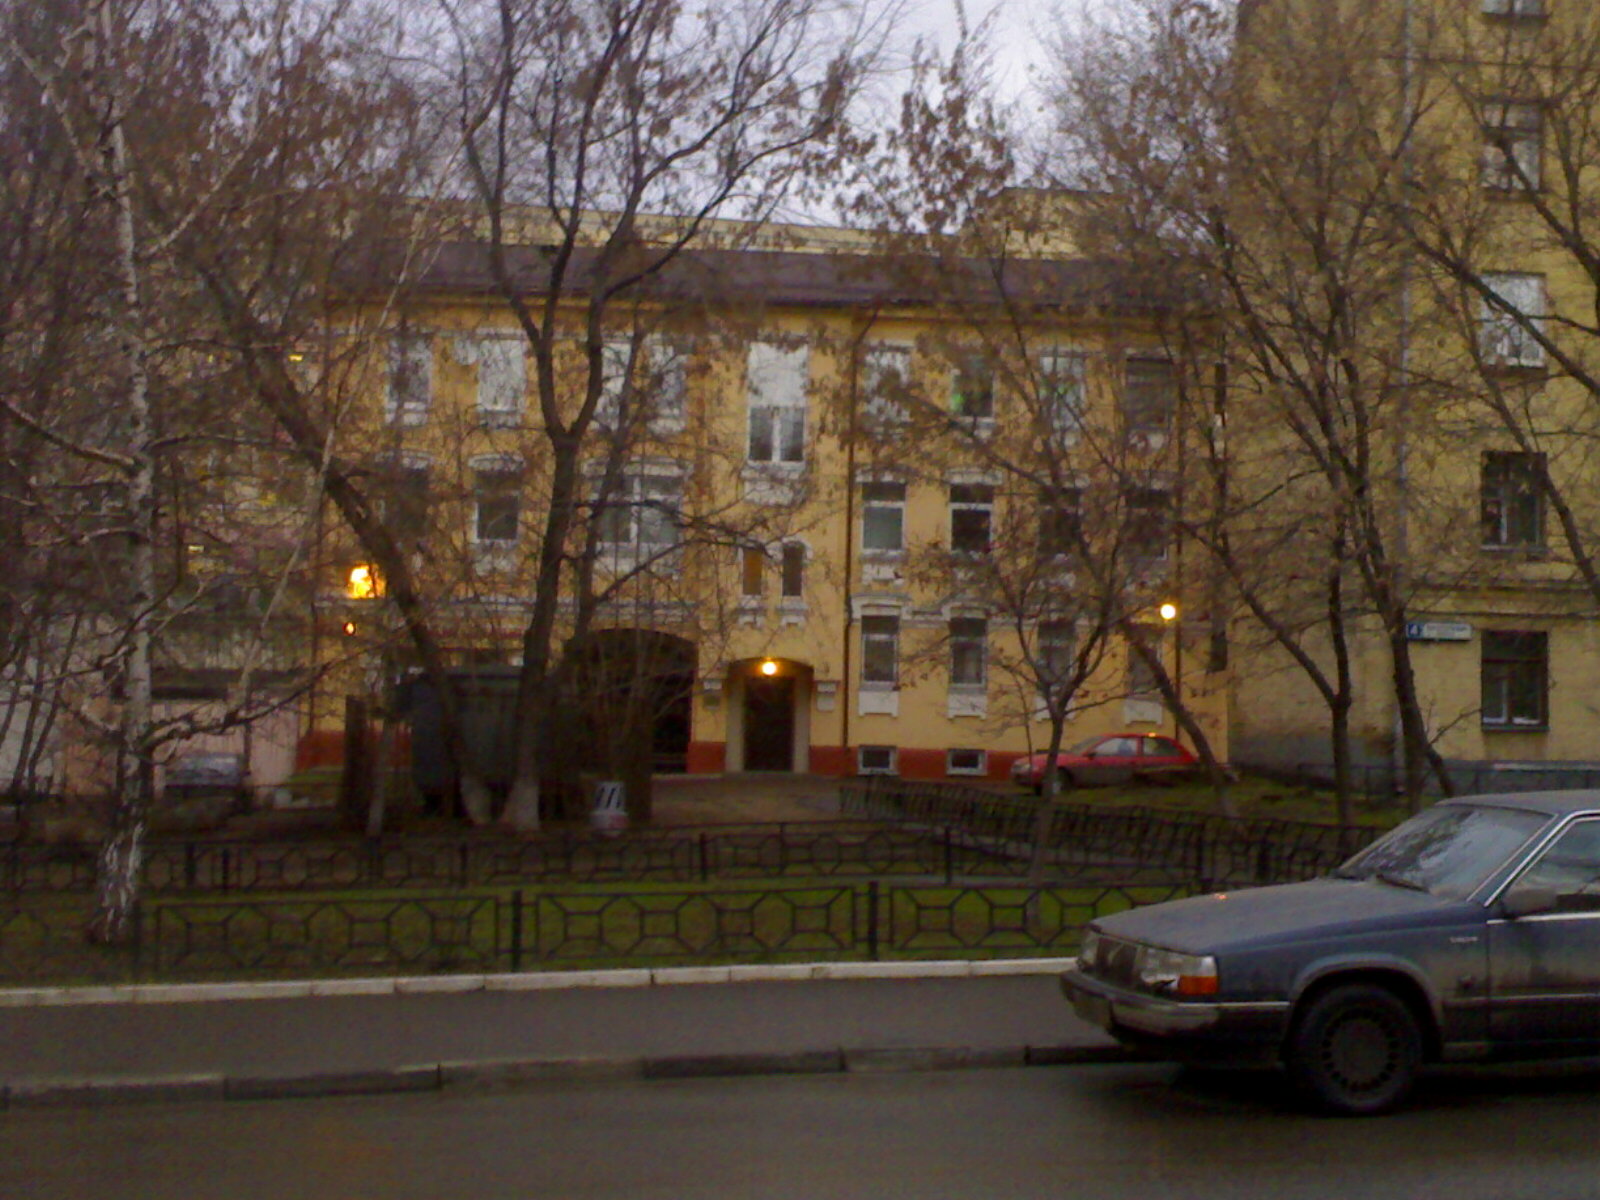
{"points": [[1402, 446]]}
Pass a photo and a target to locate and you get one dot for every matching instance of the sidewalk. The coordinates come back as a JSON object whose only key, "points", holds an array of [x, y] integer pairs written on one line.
{"points": [[260, 1041]]}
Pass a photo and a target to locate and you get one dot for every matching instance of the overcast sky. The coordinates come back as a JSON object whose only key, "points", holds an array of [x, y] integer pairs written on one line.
{"points": [[1020, 31]]}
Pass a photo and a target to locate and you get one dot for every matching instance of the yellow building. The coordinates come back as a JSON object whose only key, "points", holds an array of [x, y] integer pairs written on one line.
{"points": [[1481, 113], [854, 501]]}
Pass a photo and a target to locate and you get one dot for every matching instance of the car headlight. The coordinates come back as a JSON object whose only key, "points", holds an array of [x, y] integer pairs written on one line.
{"points": [[1176, 973], [1088, 948]]}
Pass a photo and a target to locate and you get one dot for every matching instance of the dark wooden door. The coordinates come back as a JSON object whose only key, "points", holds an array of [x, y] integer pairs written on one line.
{"points": [[769, 723]]}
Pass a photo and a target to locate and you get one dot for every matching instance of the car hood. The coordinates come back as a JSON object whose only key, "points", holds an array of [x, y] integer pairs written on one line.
{"points": [[1319, 908]]}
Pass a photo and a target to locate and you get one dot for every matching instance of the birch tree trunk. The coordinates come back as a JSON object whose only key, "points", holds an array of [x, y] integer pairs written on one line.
{"points": [[122, 855]]}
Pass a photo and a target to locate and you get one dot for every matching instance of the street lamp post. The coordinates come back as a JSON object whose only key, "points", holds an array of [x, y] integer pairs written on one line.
{"points": [[1169, 614]]}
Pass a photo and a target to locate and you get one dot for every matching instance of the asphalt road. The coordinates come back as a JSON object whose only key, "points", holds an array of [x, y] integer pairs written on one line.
{"points": [[1084, 1132]]}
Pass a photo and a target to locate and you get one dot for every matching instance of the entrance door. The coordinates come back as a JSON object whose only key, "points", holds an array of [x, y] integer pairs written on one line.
{"points": [[769, 723]]}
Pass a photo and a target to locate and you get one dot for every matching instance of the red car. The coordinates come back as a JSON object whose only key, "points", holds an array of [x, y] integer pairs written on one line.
{"points": [[1110, 758]]}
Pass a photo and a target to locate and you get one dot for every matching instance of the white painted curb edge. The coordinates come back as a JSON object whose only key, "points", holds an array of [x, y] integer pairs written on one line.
{"points": [[188, 993]]}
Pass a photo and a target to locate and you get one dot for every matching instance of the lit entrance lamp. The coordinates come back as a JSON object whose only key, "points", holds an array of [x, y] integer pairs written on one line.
{"points": [[1169, 614]]}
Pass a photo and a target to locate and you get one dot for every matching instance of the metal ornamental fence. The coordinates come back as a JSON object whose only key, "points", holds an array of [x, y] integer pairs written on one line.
{"points": [[903, 829], [1211, 852], [947, 870], [862, 849], [481, 931]]}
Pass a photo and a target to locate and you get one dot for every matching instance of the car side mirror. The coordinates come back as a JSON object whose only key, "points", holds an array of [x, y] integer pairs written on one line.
{"points": [[1527, 901]]}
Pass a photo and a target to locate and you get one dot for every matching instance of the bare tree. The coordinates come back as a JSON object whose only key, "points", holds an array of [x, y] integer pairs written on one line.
{"points": [[1260, 151], [577, 121]]}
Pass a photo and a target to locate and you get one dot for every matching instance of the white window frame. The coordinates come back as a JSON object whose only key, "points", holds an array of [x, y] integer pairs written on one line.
{"points": [[1513, 145], [1057, 506], [1150, 421], [885, 634], [972, 503], [649, 496], [885, 383], [400, 472], [796, 556], [1514, 8], [969, 365], [659, 374], [1063, 390], [1056, 645], [408, 396], [973, 635], [980, 765], [502, 370], [886, 504], [776, 384], [1505, 339], [1508, 489], [887, 760], [504, 466], [1498, 714], [1147, 553]]}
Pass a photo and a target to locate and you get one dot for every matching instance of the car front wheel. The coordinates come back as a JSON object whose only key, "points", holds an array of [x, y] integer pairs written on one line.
{"points": [[1356, 1050]]}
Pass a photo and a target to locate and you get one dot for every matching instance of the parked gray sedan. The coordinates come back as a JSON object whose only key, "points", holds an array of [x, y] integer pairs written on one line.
{"points": [[1471, 931]]}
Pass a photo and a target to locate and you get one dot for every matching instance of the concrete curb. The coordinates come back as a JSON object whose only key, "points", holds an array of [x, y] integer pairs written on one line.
{"points": [[510, 1074], [190, 993]]}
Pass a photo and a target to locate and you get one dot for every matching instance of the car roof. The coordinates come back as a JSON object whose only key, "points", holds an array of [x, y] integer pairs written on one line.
{"points": [[1549, 803]]}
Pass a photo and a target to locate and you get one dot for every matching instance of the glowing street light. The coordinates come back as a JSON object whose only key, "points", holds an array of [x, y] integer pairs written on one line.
{"points": [[1168, 611], [768, 667]]}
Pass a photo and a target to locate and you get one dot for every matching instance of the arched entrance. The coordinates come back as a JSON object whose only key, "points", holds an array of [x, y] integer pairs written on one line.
{"points": [[632, 695], [773, 732]]}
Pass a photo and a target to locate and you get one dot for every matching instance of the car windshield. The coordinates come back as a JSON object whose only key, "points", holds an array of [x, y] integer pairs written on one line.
{"points": [[1447, 851]]}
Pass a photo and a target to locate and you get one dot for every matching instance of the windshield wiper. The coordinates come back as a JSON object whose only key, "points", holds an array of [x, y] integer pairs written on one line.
{"points": [[1399, 881]]}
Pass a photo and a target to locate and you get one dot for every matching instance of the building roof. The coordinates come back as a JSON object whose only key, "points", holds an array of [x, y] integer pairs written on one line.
{"points": [[810, 279]]}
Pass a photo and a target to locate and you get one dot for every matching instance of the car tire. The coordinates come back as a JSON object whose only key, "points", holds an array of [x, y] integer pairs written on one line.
{"points": [[1355, 1050]]}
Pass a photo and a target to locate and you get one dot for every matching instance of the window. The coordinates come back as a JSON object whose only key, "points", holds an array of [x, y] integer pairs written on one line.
{"points": [[876, 760], [753, 571], [1149, 395], [971, 517], [792, 573], [1513, 8], [644, 514], [502, 376], [885, 384], [1062, 397], [616, 397], [1057, 646], [668, 383], [1146, 516], [883, 510], [966, 762], [1142, 683], [880, 651], [1512, 145], [651, 378], [1512, 504], [497, 495], [1060, 521], [972, 391], [1515, 680], [969, 652], [405, 503], [776, 380], [410, 378], [1511, 321], [1570, 865]]}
